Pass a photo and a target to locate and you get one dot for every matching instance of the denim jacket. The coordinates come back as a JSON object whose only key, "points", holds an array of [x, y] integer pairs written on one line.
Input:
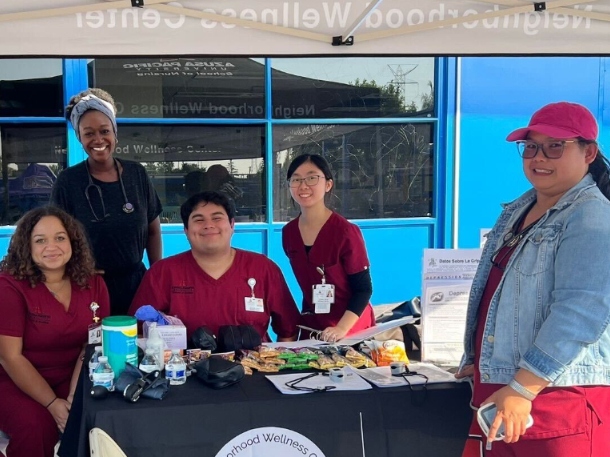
{"points": [[551, 310]]}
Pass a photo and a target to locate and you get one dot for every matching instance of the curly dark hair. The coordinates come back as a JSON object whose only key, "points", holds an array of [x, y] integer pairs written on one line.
{"points": [[18, 261], [99, 93]]}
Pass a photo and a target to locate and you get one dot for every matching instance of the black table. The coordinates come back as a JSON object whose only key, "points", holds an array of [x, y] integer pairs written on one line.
{"points": [[194, 420]]}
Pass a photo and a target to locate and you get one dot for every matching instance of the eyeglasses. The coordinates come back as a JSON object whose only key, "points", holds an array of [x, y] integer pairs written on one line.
{"points": [[309, 181], [551, 149], [293, 384]]}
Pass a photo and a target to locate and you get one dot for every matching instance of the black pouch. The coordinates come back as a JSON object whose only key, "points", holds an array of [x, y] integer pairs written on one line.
{"points": [[216, 372], [157, 389], [203, 338], [236, 337]]}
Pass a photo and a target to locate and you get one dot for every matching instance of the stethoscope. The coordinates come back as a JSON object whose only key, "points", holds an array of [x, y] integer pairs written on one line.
{"points": [[127, 207]]}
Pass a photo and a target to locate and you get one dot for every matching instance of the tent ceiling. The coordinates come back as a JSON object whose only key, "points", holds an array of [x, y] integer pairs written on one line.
{"points": [[279, 27]]}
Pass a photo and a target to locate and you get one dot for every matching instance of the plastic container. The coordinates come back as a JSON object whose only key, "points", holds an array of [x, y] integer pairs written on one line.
{"points": [[103, 375], [149, 362], [175, 370], [119, 336], [93, 361], [156, 343]]}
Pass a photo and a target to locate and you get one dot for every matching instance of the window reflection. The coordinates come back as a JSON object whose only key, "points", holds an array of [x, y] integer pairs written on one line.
{"points": [[182, 160], [32, 156], [31, 87], [218, 87], [352, 87], [380, 171]]}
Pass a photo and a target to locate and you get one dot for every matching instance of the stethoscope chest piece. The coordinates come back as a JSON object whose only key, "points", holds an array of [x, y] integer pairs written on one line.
{"points": [[128, 208]]}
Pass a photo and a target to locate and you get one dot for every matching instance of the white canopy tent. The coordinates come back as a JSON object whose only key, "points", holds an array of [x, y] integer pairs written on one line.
{"points": [[90, 28]]}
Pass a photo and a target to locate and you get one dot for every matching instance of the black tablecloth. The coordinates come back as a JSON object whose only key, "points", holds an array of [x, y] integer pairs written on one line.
{"points": [[194, 420]]}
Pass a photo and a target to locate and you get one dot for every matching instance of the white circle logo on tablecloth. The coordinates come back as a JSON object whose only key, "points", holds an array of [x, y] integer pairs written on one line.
{"points": [[270, 442]]}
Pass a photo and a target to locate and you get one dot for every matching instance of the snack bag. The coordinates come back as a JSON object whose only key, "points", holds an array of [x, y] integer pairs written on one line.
{"points": [[384, 353]]}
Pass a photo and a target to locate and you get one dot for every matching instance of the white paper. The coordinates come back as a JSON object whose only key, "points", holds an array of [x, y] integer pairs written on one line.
{"points": [[382, 376], [350, 382], [447, 279]]}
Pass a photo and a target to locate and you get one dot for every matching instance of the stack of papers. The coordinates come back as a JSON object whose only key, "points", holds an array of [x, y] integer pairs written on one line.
{"points": [[382, 376], [350, 382]]}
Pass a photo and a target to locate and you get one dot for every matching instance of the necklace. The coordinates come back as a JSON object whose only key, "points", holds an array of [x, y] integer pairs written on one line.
{"points": [[56, 292]]}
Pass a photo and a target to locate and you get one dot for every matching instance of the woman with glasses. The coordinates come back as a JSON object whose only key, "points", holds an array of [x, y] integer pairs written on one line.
{"points": [[327, 255], [51, 296], [537, 339], [113, 198]]}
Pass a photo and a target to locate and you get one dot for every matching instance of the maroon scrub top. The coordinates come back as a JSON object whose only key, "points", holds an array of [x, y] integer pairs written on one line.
{"points": [[339, 248]]}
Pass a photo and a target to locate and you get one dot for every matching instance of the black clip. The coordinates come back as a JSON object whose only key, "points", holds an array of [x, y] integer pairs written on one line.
{"points": [[137, 3], [339, 41], [540, 6]]}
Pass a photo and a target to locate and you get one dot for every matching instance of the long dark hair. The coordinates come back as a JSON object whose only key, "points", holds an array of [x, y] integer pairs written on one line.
{"points": [[599, 169], [18, 261]]}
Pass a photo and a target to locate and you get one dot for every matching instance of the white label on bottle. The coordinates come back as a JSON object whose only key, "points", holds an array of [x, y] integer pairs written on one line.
{"points": [[104, 379]]}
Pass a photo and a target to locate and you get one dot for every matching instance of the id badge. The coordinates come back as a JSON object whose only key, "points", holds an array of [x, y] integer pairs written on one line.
{"points": [[95, 334], [254, 304], [323, 297]]}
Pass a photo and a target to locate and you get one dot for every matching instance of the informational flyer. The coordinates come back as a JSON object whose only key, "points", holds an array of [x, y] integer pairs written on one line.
{"points": [[447, 278]]}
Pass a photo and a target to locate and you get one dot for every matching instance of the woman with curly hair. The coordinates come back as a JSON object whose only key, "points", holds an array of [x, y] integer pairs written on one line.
{"points": [[50, 296], [113, 198]]}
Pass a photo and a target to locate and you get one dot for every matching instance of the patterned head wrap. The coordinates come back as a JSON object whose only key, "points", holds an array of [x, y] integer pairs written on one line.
{"points": [[89, 102]]}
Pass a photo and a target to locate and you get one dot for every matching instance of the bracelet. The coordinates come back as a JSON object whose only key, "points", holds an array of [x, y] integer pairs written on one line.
{"points": [[50, 403], [521, 390]]}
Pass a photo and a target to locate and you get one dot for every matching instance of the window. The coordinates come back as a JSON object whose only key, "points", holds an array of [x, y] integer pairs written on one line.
{"points": [[198, 87], [32, 155], [186, 159], [352, 87], [380, 171], [31, 87]]}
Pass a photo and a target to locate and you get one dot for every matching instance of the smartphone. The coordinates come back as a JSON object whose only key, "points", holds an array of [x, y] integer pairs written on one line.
{"points": [[486, 415]]}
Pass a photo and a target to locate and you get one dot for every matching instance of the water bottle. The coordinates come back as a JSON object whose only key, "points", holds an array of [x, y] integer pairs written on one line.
{"points": [[103, 375], [156, 343], [93, 361], [149, 362], [175, 370]]}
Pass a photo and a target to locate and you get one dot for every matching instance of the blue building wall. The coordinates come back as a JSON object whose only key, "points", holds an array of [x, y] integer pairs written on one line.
{"points": [[498, 95], [493, 95]]}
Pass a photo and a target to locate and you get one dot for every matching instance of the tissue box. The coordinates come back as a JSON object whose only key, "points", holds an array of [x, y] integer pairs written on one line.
{"points": [[174, 335]]}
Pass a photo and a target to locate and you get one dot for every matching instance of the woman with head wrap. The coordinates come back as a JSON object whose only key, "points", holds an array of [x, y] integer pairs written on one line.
{"points": [[114, 199]]}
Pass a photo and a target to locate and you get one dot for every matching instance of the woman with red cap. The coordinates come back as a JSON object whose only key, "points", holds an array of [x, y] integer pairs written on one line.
{"points": [[537, 338]]}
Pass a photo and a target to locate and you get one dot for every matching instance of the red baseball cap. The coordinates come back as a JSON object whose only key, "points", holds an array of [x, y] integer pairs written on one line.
{"points": [[560, 120]]}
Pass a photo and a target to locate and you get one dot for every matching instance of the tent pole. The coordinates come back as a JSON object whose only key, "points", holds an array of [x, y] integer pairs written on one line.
{"points": [[347, 36], [69, 10], [567, 11], [529, 8]]}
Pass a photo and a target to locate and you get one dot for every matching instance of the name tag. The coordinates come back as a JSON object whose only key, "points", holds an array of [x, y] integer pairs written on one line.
{"points": [[254, 304], [95, 334], [323, 297]]}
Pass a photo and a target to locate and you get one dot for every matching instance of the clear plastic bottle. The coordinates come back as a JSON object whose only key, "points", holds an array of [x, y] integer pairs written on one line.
{"points": [[93, 361], [149, 362], [175, 370], [103, 375], [156, 343]]}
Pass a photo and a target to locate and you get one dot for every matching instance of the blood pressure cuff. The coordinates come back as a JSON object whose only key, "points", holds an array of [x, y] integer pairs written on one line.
{"points": [[216, 372], [236, 337], [155, 390]]}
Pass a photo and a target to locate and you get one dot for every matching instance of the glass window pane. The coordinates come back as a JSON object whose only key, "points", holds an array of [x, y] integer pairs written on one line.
{"points": [[186, 159], [352, 87], [380, 171], [31, 87], [182, 87], [30, 158]]}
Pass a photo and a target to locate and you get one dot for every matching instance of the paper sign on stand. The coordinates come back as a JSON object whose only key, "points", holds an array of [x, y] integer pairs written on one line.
{"points": [[447, 278]]}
